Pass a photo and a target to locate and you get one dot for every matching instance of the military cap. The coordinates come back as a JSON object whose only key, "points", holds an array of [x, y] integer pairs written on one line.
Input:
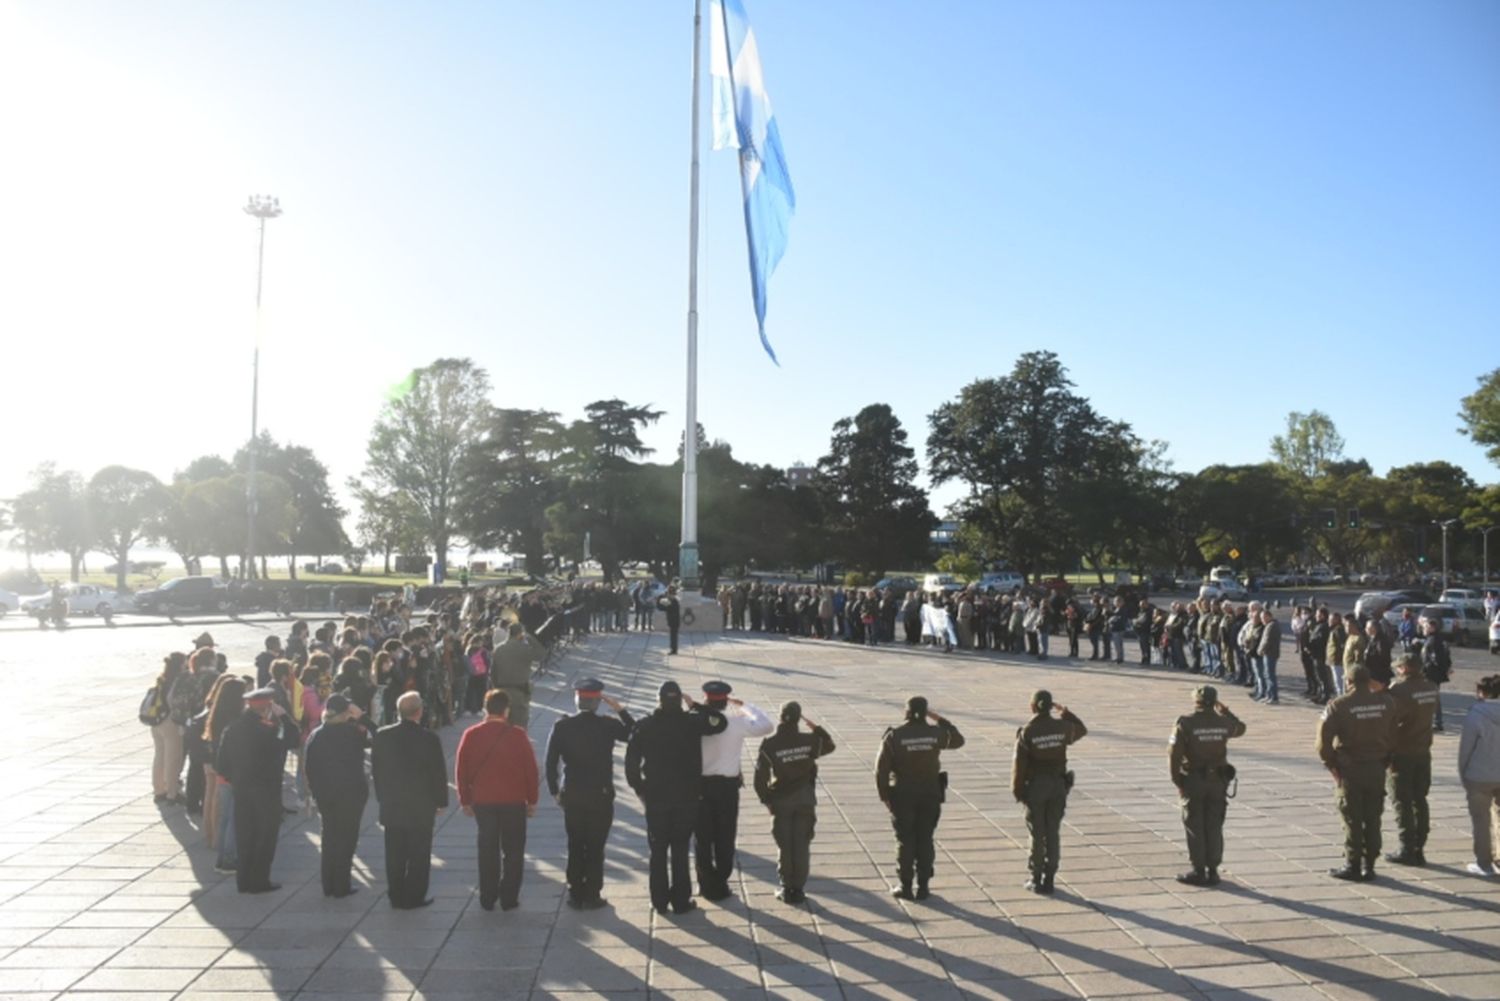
{"points": [[916, 705], [791, 712], [588, 686], [717, 690], [1042, 699], [1205, 695], [337, 703], [204, 639], [267, 694], [670, 690]]}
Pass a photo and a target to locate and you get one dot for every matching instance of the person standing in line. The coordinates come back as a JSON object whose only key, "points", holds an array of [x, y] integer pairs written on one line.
{"points": [[1411, 762], [911, 784], [252, 757], [496, 778], [719, 808], [1355, 737], [510, 671], [1116, 624], [1143, 618], [166, 735], [1320, 689], [1197, 760], [669, 604], [786, 776], [335, 761], [1479, 770], [411, 783], [1269, 651], [583, 744], [1040, 779], [1437, 665], [664, 765], [229, 705]]}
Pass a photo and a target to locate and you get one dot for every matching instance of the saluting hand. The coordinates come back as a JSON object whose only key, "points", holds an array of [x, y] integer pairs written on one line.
{"points": [[1061, 710], [810, 724]]}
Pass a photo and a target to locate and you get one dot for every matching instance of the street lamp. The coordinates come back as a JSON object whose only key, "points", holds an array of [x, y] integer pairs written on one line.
{"points": [[1486, 533], [1445, 525], [262, 207]]}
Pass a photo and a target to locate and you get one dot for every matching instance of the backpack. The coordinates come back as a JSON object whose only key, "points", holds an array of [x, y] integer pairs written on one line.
{"points": [[153, 709]]}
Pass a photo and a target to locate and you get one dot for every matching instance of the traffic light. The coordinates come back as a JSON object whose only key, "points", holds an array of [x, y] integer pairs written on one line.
{"points": [[1330, 518], [1354, 517]]}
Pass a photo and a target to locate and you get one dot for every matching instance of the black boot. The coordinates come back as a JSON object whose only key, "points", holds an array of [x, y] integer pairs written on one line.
{"points": [[1035, 882], [922, 892], [1367, 875], [1194, 878], [1213, 876], [903, 892], [1350, 872], [1047, 882]]}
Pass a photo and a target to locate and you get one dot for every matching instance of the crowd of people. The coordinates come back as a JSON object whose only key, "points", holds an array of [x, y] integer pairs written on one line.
{"points": [[297, 731]]}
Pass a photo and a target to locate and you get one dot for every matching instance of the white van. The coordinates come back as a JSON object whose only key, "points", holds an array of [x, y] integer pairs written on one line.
{"points": [[1001, 581], [941, 582]]}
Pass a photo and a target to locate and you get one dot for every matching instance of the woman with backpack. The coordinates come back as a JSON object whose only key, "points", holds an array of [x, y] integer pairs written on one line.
{"points": [[166, 733]]}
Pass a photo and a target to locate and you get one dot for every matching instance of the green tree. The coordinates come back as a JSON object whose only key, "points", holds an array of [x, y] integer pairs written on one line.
{"points": [[1310, 444], [424, 439], [317, 526], [1480, 412], [125, 508], [603, 476], [877, 517], [53, 516], [513, 477], [388, 523], [1019, 442], [1249, 508]]}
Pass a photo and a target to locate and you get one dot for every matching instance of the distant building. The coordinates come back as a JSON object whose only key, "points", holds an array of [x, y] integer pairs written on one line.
{"points": [[800, 475], [945, 534]]}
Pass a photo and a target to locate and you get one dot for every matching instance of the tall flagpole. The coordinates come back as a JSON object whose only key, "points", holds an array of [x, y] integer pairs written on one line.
{"points": [[687, 558]]}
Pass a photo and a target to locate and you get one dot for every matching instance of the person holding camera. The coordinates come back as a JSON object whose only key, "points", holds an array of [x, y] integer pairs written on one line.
{"points": [[1199, 765], [911, 784], [1040, 779]]}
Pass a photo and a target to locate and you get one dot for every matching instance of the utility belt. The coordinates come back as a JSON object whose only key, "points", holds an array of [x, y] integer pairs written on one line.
{"points": [[737, 781], [1064, 774], [1225, 772]]}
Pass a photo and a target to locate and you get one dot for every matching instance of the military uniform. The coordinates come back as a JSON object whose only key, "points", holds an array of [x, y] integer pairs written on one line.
{"points": [[786, 775], [1355, 738], [909, 782], [510, 670], [1199, 766], [1411, 764], [664, 765], [1040, 779], [583, 744]]}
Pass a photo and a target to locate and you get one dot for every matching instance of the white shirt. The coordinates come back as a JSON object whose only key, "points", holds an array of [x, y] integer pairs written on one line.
{"points": [[722, 751]]}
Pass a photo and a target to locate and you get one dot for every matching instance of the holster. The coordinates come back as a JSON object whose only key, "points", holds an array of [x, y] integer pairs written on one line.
{"points": [[1068, 779]]}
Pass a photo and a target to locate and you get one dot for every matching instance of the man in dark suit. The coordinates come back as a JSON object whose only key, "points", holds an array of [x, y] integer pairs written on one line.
{"points": [[252, 756], [668, 603], [411, 783]]}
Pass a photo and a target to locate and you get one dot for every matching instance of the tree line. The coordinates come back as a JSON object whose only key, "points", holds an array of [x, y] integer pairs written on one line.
{"points": [[1049, 484]]}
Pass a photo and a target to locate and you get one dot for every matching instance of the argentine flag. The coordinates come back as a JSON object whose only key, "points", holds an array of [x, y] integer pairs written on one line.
{"points": [[743, 120]]}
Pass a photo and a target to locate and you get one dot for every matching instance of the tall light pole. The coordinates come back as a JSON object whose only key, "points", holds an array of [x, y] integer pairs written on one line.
{"points": [[1445, 525], [1486, 533], [262, 207]]}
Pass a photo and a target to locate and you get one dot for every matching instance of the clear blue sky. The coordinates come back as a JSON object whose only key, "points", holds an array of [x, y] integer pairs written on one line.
{"points": [[1215, 213]]}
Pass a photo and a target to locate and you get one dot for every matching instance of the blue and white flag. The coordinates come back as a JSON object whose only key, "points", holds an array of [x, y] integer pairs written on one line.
{"points": [[743, 121]]}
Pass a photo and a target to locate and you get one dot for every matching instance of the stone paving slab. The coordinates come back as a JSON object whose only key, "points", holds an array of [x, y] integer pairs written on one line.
{"points": [[103, 895]]}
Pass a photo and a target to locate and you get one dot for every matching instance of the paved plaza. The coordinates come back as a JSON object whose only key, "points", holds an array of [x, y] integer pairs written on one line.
{"points": [[105, 895]]}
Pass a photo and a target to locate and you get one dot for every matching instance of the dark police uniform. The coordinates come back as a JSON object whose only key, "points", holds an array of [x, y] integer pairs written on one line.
{"points": [[1039, 778], [910, 783], [1411, 765], [786, 777], [1199, 766], [1355, 739], [668, 603], [664, 765], [252, 757], [584, 745]]}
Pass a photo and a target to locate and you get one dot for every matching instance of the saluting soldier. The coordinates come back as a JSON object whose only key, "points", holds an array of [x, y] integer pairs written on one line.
{"points": [[252, 757], [1199, 766], [1355, 738], [584, 744], [786, 776], [1039, 778], [1411, 763], [668, 603], [911, 784]]}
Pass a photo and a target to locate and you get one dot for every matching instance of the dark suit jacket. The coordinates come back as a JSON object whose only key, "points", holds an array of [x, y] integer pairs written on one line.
{"points": [[411, 776]]}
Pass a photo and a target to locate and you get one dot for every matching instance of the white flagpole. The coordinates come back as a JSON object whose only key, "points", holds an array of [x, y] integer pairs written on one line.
{"points": [[687, 558]]}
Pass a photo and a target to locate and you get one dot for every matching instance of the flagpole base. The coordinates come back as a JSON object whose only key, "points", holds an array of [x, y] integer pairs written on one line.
{"points": [[687, 565]]}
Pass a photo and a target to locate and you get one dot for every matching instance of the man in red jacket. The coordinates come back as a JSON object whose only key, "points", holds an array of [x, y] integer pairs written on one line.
{"points": [[496, 775]]}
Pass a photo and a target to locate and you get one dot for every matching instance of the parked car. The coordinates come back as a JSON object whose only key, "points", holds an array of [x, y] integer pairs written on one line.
{"points": [[1373, 603], [184, 594], [1187, 582], [898, 586], [1001, 581], [1223, 589], [941, 582], [330, 568], [1456, 624], [9, 601], [1462, 597], [81, 599]]}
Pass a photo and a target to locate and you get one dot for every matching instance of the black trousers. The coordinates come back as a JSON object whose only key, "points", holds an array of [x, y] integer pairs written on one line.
{"points": [[587, 818], [408, 862], [257, 822], [502, 852], [340, 838], [714, 835], [669, 832], [672, 629], [197, 757], [914, 819]]}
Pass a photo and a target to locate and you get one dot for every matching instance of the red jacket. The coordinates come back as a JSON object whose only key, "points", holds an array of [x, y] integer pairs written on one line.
{"points": [[495, 765]]}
